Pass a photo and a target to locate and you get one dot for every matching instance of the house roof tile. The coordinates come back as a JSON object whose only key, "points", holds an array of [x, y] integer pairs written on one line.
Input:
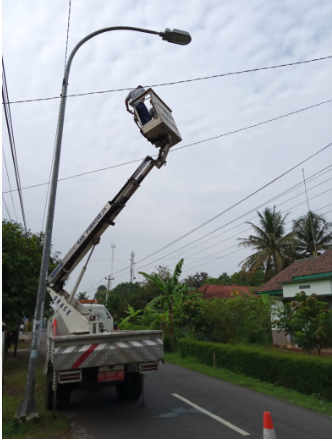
{"points": [[305, 267], [223, 291]]}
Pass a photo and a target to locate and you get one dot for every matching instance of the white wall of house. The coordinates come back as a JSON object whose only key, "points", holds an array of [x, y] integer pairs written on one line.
{"points": [[319, 287]]}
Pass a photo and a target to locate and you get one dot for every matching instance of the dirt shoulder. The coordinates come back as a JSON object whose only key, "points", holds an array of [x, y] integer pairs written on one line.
{"points": [[15, 370]]}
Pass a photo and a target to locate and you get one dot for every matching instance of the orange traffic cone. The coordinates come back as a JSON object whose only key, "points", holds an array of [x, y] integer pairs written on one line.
{"points": [[55, 327], [268, 428]]}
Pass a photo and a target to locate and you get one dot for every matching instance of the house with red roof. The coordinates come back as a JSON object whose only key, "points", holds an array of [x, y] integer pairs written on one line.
{"points": [[223, 291], [313, 276]]}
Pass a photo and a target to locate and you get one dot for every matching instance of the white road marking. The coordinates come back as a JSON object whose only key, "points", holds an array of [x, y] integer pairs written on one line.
{"points": [[215, 417]]}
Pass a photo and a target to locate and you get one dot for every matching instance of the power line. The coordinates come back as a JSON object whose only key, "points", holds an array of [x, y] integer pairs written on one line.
{"points": [[6, 208], [57, 127], [231, 207], [123, 276], [234, 220], [176, 82], [10, 187], [236, 245], [183, 147], [294, 187], [10, 130]]}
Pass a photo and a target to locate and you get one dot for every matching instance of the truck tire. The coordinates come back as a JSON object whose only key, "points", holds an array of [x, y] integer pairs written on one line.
{"points": [[63, 395], [131, 388], [137, 388], [49, 390]]}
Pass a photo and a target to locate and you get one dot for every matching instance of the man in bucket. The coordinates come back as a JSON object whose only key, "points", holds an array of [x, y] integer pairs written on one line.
{"points": [[141, 108]]}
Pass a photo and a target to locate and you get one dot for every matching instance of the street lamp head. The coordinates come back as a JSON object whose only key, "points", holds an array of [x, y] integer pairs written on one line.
{"points": [[176, 36]]}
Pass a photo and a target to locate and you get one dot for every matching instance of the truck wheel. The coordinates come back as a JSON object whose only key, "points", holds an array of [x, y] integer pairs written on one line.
{"points": [[137, 388], [131, 388], [63, 393], [123, 389]]}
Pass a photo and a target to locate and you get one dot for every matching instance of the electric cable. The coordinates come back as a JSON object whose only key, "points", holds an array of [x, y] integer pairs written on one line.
{"points": [[231, 207], [6, 208], [57, 127], [252, 210], [250, 227], [174, 82], [180, 148], [175, 258], [10, 187], [11, 138]]}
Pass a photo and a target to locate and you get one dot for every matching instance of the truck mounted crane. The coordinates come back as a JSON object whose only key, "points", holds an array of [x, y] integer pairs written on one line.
{"points": [[82, 348]]}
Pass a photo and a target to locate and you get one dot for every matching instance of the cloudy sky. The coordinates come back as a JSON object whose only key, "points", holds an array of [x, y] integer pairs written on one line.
{"points": [[200, 181]]}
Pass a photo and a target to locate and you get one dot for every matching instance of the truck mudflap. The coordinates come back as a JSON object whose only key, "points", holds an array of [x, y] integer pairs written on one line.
{"points": [[106, 353]]}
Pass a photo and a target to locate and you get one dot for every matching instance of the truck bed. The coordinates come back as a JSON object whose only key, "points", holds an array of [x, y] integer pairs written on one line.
{"points": [[109, 348]]}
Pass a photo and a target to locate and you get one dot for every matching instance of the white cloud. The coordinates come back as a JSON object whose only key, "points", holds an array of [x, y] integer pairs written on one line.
{"points": [[200, 181]]}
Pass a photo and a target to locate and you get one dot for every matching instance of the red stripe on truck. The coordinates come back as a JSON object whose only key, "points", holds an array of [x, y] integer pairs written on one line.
{"points": [[84, 356]]}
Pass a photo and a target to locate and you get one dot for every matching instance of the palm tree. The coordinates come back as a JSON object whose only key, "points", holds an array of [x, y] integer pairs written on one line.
{"points": [[172, 295], [82, 296], [274, 249], [312, 229]]}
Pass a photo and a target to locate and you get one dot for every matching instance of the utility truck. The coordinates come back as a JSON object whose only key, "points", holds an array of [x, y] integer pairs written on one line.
{"points": [[83, 350]]}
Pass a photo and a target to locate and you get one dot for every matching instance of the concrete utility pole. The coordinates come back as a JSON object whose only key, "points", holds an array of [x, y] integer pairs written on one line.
{"points": [[28, 407], [132, 267], [112, 278], [108, 278]]}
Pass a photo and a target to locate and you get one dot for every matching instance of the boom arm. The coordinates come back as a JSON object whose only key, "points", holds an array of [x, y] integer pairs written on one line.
{"points": [[91, 236]]}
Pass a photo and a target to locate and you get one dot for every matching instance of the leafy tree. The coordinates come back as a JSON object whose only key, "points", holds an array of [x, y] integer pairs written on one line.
{"points": [[172, 296], [241, 278], [308, 320], [310, 223], [274, 249], [100, 294], [196, 280], [121, 297], [163, 272], [21, 260], [82, 296], [225, 279]]}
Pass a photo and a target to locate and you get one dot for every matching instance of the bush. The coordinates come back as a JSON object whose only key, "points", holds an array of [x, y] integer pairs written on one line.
{"points": [[169, 346], [303, 373], [242, 319]]}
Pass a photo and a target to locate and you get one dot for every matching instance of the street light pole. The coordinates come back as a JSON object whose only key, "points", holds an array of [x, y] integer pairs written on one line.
{"points": [[28, 407]]}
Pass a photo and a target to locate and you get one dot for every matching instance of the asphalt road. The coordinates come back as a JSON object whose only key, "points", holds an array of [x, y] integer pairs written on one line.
{"points": [[166, 416], [172, 396]]}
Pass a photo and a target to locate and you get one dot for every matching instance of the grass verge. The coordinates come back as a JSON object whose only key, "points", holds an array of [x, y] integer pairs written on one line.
{"points": [[309, 401], [13, 390]]}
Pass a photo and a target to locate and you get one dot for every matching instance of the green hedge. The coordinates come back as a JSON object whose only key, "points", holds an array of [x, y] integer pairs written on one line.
{"points": [[304, 373]]}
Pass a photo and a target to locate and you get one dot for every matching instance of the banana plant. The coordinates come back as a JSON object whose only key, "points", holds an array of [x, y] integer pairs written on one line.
{"points": [[173, 294], [133, 316]]}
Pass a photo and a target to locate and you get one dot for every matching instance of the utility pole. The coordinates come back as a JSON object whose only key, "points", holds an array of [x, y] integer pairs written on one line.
{"points": [[310, 217], [112, 278], [132, 267], [109, 278]]}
